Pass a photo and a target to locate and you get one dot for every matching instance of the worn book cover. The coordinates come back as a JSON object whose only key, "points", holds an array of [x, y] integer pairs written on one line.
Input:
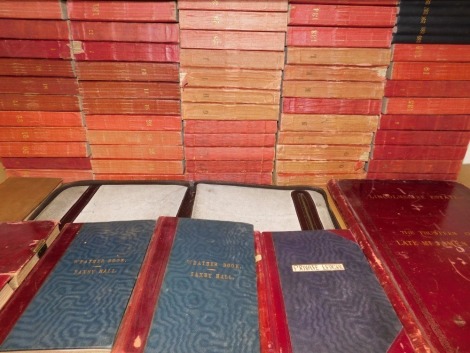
{"points": [[431, 52], [415, 235], [36, 67], [35, 49], [134, 122], [318, 293], [338, 56], [429, 71], [424, 122]]}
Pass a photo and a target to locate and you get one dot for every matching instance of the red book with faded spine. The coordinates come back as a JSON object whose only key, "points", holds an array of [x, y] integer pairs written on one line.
{"points": [[245, 178], [331, 106], [338, 56], [36, 67], [67, 175], [324, 138], [342, 15], [412, 105], [319, 166], [111, 89], [38, 85], [228, 95], [34, 29], [225, 154], [352, 37], [425, 122], [144, 151], [322, 152], [127, 71], [132, 106], [117, 176], [134, 122], [418, 152], [294, 72], [429, 71], [236, 59], [333, 89], [414, 166], [229, 139], [46, 163], [233, 21], [33, 102], [34, 9], [213, 111], [259, 5], [129, 166], [200, 39], [45, 134], [200, 166], [420, 138], [294, 179], [128, 11], [44, 149], [414, 234], [329, 122], [431, 52], [35, 49], [228, 127], [413, 176], [38, 118], [162, 138], [410, 88], [125, 31], [125, 51]]}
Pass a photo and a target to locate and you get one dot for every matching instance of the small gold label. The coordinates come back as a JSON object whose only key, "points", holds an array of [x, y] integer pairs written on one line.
{"points": [[317, 267]]}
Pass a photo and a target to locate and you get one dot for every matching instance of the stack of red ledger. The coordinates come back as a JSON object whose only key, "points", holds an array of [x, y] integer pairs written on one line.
{"points": [[127, 56], [232, 56], [42, 132], [425, 127], [337, 55]]}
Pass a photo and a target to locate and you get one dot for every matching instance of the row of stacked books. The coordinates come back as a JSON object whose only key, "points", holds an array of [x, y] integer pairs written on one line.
{"points": [[182, 285], [424, 129]]}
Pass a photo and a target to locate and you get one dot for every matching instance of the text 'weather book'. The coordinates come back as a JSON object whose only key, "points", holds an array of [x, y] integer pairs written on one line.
{"points": [[416, 236], [82, 301], [197, 293], [319, 294]]}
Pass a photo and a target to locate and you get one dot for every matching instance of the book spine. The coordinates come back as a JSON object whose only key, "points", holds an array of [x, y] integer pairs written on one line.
{"points": [[431, 52], [322, 152], [432, 19], [106, 106], [47, 163], [261, 5], [200, 39], [39, 9], [332, 89], [125, 51], [225, 154], [35, 49], [200, 166], [331, 106], [426, 138], [40, 119], [258, 178], [406, 28], [404, 152], [349, 2], [342, 167], [147, 152], [142, 176], [425, 122], [334, 73], [405, 88], [225, 95], [38, 85], [41, 149], [323, 138], [413, 176], [110, 89], [212, 111], [227, 127], [121, 166], [338, 56], [161, 11], [403, 105], [125, 32], [109, 137], [127, 71], [431, 38], [338, 36], [320, 179], [36, 67], [414, 166], [229, 140], [328, 122], [53, 103], [33, 29], [16, 134], [133, 122], [434, 8], [342, 15]]}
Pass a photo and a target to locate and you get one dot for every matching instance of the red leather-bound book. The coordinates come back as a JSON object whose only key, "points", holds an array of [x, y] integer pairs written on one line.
{"points": [[229, 140], [419, 138], [439, 88], [36, 67], [45, 134], [143, 151], [412, 105], [414, 234], [38, 118], [134, 122], [426, 166], [331, 106], [125, 31], [34, 9], [343, 37], [35, 49], [131, 106], [130, 11], [47, 163], [228, 127], [38, 85], [413, 176], [425, 122], [125, 51], [429, 70], [44, 149], [40, 102], [342, 15], [234, 154], [431, 52], [157, 138], [34, 29], [127, 71], [418, 152], [111, 89], [199, 166]]}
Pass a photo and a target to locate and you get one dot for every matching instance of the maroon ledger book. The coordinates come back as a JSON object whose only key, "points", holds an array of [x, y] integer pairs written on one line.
{"points": [[416, 235]]}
